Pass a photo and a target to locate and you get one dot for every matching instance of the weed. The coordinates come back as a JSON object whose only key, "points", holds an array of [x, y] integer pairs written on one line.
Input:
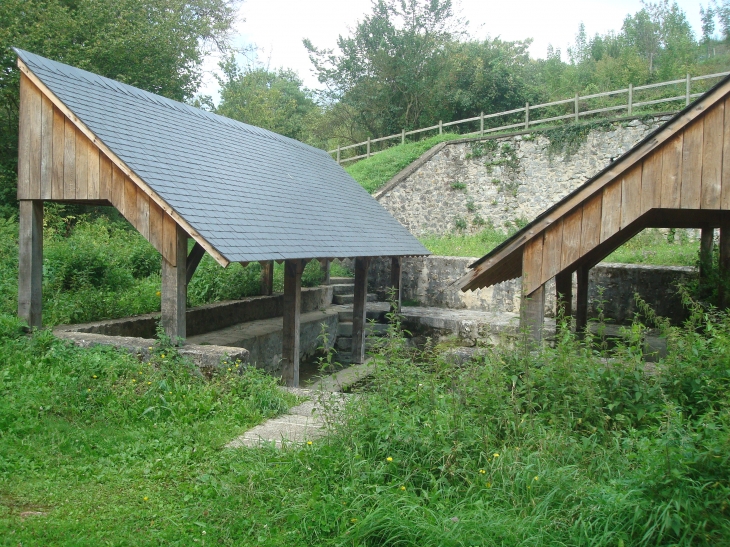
{"points": [[460, 223], [458, 185]]}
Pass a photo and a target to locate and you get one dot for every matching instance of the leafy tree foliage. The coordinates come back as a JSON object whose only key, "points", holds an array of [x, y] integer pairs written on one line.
{"points": [[272, 99], [157, 45]]}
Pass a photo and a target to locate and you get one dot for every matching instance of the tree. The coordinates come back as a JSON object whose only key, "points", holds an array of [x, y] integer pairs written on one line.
{"points": [[157, 45], [387, 68], [272, 99]]}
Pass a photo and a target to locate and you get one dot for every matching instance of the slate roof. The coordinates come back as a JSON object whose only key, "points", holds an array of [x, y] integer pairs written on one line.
{"points": [[250, 193]]}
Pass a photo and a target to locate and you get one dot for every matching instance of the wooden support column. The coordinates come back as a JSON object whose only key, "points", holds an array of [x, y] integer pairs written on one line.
{"points": [[724, 287], [533, 315], [267, 278], [564, 293], [30, 263], [581, 301], [175, 286], [707, 242], [359, 317], [292, 310], [395, 282], [327, 267]]}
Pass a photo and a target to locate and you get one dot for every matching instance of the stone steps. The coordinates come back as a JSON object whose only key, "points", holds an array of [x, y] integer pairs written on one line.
{"points": [[371, 329], [350, 298], [342, 281], [342, 288]]}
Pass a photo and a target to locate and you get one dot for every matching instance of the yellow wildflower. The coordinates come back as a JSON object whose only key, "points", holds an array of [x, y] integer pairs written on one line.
{"points": [[495, 455], [482, 471], [353, 520], [388, 459], [94, 376], [158, 293], [145, 498], [163, 355], [309, 443], [149, 383], [402, 487], [133, 380], [536, 478]]}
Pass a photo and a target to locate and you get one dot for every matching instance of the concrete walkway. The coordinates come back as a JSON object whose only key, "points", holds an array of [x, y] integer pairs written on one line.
{"points": [[307, 421]]}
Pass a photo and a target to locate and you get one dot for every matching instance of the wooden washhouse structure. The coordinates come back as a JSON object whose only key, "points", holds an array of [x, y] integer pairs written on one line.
{"points": [[676, 177], [241, 193]]}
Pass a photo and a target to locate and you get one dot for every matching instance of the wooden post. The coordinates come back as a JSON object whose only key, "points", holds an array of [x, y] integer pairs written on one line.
{"points": [[395, 282], [481, 124], [338, 155], [532, 317], [30, 263], [527, 115], [403, 136], [724, 282], [687, 92], [175, 288], [292, 310], [359, 317], [441, 127], [327, 266], [576, 108], [631, 99], [267, 278], [707, 241], [564, 293], [368, 147], [581, 301]]}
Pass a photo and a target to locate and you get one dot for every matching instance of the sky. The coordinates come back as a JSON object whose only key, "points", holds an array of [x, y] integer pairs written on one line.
{"points": [[277, 27]]}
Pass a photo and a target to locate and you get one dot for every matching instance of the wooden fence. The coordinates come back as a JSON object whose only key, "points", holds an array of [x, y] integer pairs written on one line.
{"points": [[527, 114]]}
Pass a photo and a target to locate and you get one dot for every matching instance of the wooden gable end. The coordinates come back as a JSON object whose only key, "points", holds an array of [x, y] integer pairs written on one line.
{"points": [[58, 162]]}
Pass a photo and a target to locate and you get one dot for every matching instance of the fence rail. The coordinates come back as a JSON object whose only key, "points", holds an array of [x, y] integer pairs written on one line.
{"points": [[529, 109]]}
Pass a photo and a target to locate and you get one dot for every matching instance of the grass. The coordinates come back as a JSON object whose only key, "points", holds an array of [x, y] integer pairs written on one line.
{"points": [[551, 448], [374, 172], [650, 247]]}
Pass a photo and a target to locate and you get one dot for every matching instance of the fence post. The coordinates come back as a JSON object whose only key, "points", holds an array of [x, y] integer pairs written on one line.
{"points": [[527, 115], [338, 155], [441, 127], [689, 83], [576, 108], [368, 147], [403, 136], [481, 124], [631, 99]]}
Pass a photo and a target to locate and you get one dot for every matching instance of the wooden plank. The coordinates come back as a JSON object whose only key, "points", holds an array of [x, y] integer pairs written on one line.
{"points": [[30, 262], [69, 160], [672, 173], [630, 197], [93, 173], [590, 231], [570, 249], [36, 133], [725, 197], [692, 166], [396, 278], [532, 315], [581, 300], [359, 320], [82, 166], [24, 139], [193, 260], [532, 264], [105, 177], [143, 214], [117, 190], [169, 235], [564, 295], [651, 182], [58, 151], [46, 148], [292, 315], [156, 223], [552, 251], [222, 260], [130, 202], [611, 210], [174, 286], [712, 146], [267, 278]]}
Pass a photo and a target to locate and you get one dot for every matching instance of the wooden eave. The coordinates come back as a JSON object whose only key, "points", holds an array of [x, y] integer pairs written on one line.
{"points": [[506, 261]]}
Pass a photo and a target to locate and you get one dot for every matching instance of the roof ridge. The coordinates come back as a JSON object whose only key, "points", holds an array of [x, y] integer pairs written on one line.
{"points": [[135, 92]]}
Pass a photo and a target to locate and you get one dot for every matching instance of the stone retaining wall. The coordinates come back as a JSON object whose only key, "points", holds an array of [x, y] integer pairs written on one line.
{"points": [[469, 184], [428, 281]]}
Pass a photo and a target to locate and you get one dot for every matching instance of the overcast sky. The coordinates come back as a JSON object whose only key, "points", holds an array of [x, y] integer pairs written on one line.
{"points": [[277, 27]]}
